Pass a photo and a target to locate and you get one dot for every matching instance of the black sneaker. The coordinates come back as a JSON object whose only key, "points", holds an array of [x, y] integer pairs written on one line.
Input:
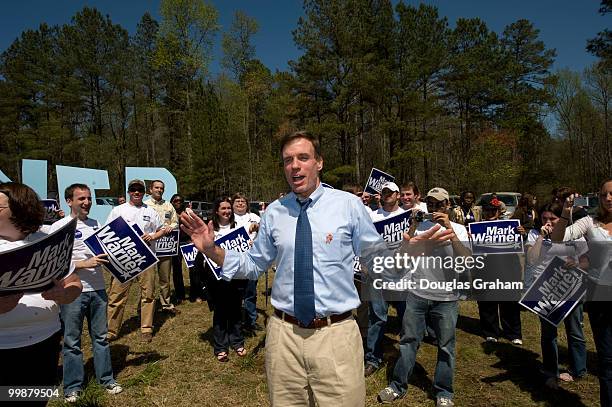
{"points": [[172, 311]]}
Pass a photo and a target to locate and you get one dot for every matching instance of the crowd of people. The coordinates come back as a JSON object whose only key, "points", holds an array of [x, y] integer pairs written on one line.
{"points": [[325, 324]]}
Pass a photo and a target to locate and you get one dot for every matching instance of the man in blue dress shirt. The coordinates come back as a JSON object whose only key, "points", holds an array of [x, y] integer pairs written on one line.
{"points": [[314, 351]]}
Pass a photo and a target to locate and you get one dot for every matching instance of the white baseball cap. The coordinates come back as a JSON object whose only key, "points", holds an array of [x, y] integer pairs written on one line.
{"points": [[391, 186]]}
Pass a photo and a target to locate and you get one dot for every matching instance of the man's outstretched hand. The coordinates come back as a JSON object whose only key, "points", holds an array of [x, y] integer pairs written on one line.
{"points": [[202, 235], [426, 240]]}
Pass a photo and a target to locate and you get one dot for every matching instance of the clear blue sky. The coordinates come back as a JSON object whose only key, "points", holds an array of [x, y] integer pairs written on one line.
{"points": [[564, 24]]}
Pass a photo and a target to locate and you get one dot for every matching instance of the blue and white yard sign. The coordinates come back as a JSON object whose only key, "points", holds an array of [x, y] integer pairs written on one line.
{"points": [[376, 180], [33, 267], [127, 254], [237, 240], [189, 252], [556, 292], [496, 237], [168, 245], [392, 228]]}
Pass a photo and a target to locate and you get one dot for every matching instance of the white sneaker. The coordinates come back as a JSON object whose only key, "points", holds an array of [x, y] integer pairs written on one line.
{"points": [[444, 402], [517, 341], [114, 388], [387, 395], [72, 397], [491, 339]]}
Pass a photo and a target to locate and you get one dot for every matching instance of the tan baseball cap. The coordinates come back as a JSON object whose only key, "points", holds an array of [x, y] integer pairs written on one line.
{"points": [[438, 193]]}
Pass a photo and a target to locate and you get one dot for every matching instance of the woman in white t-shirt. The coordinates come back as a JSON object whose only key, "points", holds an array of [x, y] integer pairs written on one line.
{"points": [[225, 297], [29, 323], [540, 252], [598, 233]]}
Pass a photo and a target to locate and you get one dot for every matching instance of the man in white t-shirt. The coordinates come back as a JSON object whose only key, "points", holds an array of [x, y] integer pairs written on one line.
{"points": [[378, 307], [437, 304], [135, 212], [91, 303], [410, 197]]}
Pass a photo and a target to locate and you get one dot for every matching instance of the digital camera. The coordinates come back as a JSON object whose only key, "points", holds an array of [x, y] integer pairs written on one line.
{"points": [[581, 201], [422, 216]]}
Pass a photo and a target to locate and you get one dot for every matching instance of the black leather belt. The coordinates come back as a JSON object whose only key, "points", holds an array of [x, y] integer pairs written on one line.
{"points": [[315, 323]]}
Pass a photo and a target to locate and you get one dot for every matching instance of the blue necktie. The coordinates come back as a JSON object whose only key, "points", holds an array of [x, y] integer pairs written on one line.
{"points": [[303, 280]]}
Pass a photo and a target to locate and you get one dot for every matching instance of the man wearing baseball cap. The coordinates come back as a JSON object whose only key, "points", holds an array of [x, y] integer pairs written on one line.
{"points": [[499, 318], [433, 305], [378, 307], [135, 212]]}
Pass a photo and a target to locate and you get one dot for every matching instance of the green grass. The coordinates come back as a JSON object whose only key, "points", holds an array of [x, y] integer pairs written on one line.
{"points": [[148, 377], [179, 368]]}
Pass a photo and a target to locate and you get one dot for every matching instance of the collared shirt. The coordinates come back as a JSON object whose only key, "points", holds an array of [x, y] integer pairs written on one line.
{"points": [[341, 229], [165, 210]]}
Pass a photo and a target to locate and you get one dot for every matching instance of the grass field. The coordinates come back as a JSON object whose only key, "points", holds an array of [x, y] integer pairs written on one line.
{"points": [[179, 369]]}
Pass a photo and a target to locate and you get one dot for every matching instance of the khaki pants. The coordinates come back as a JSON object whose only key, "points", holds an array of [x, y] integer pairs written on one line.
{"points": [[117, 296], [164, 270], [315, 367]]}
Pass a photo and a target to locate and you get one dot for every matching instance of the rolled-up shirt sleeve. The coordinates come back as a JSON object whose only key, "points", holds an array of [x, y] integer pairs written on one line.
{"points": [[369, 243], [578, 229]]}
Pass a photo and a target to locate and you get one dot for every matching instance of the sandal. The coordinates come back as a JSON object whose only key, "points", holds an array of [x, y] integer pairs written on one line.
{"points": [[241, 351], [222, 357]]}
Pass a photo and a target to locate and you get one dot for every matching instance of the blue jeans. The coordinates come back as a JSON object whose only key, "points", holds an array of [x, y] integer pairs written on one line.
{"points": [[92, 305], [377, 324], [443, 318], [575, 341], [250, 302]]}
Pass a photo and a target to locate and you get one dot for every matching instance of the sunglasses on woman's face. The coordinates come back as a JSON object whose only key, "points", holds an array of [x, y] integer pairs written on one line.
{"points": [[141, 190]]}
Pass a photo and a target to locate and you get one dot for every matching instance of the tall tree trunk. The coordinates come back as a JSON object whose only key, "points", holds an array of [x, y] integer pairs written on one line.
{"points": [[248, 141], [189, 135]]}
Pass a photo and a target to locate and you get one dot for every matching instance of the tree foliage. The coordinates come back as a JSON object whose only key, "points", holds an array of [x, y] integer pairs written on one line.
{"points": [[383, 85]]}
